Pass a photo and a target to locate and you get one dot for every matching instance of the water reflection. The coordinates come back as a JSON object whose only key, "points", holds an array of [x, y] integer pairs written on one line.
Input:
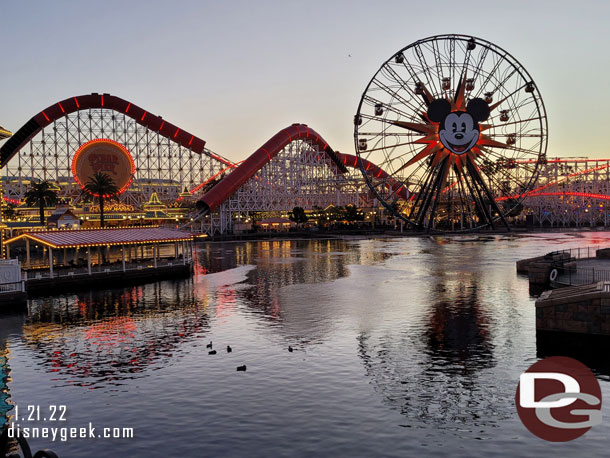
{"points": [[105, 337], [439, 369], [101, 338], [299, 264], [10, 325], [457, 331], [426, 333], [591, 350], [284, 263]]}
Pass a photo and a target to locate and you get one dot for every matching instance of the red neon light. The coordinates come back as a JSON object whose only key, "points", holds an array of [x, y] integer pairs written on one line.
{"points": [[289, 136], [268, 155], [191, 140], [567, 193], [380, 172], [198, 187], [128, 106], [582, 172], [307, 133], [143, 116], [162, 124], [324, 147], [176, 134], [12, 201], [355, 161], [45, 116], [77, 104], [62, 108], [554, 161], [102, 99], [368, 166]]}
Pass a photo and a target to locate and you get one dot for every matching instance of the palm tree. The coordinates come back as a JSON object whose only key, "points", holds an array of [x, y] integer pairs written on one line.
{"points": [[103, 187], [42, 195], [298, 216]]}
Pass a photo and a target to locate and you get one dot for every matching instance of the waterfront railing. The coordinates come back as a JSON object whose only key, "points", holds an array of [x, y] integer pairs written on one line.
{"points": [[67, 272], [573, 253], [12, 287], [571, 273]]}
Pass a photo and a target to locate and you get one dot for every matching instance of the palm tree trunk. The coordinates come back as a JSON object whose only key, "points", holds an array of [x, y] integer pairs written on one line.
{"points": [[41, 209], [101, 201]]}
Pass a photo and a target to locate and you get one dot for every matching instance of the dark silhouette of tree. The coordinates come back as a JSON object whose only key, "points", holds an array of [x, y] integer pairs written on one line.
{"points": [[41, 195], [351, 213], [298, 216], [103, 187]]}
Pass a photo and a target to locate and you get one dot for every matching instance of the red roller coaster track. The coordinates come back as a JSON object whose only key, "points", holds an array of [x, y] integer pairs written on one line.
{"points": [[111, 102], [246, 170], [241, 172]]}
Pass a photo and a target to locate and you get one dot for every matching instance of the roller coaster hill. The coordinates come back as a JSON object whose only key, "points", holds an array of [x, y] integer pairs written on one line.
{"points": [[174, 180], [173, 175]]}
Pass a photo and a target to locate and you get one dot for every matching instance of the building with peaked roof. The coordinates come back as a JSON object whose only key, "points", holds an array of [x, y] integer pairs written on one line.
{"points": [[120, 249], [276, 224], [63, 217]]}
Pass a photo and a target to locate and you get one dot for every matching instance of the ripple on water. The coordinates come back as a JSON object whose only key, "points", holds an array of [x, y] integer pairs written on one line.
{"points": [[401, 347]]}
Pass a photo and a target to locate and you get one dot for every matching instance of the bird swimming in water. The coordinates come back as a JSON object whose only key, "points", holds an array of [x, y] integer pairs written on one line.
{"points": [[241, 368], [229, 349], [209, 345], [290, 349], [213, 352]]}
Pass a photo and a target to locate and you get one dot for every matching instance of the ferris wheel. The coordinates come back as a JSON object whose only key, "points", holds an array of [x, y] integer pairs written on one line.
{"points": [[460, 125]]}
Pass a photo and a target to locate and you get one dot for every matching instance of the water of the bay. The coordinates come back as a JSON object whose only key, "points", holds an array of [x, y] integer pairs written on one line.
{"points": [[402, 347]]}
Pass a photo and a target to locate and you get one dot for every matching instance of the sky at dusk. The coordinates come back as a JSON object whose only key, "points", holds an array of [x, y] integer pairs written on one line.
{"points": [[236, 72]]}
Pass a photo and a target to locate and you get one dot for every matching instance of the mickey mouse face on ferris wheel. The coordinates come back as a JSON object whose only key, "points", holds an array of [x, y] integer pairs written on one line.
{"points": [[458, 130]]}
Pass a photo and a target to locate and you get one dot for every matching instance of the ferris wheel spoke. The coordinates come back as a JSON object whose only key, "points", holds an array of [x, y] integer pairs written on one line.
{"points": [[512, 148], [439, 67], [428, 192], [507, 176], [422, 104], [383, 133], [422, 60], [491, 74], [424, 182], [480, 63], [396, 96], [507, 96], [505, 80], [512, 123], [389, 107]]}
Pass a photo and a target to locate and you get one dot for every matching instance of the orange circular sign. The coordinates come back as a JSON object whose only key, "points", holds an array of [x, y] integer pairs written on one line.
{"points": [[106, 156]]}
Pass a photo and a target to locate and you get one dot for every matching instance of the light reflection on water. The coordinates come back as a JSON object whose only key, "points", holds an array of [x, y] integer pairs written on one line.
{"points": [[401, 345]]}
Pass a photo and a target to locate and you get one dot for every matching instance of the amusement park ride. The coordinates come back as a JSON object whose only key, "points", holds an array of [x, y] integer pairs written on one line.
{"points": [[449, 117], [450, 135]]}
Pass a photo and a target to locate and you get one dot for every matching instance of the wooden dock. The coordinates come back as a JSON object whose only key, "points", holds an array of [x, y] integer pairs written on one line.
{"points": [[78, 279]]}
